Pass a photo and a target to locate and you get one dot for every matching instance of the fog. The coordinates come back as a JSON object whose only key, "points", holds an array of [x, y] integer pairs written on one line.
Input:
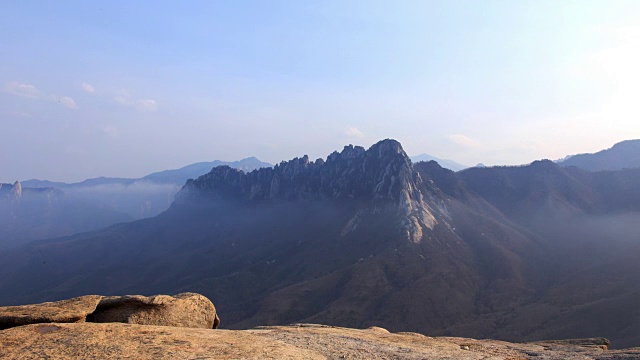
{"points": [[139, 199]]}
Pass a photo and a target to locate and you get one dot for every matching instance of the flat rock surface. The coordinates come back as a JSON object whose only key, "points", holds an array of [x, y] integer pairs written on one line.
{"points": [[71, 310], [182, 310], [303, 341]]}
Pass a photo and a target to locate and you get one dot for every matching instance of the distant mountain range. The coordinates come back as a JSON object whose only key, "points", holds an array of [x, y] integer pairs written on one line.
{"points": [[449, 164], [175, 177], [28, 214], [39, 209], [623, 155], [368, 238]]}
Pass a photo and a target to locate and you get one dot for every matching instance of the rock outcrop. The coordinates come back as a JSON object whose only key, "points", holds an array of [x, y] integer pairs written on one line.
{"points": [[182, 310], [302, 341], [64, 311], [16, 190], [381, 178]]}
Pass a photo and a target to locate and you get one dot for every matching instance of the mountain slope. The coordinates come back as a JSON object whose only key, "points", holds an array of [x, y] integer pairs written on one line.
{"points": [[625, 154], [366, 238], [589, 224], [360, 239]]}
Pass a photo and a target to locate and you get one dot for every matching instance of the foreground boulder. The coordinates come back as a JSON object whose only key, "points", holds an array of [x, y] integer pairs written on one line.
{"points": [[182, 310], [65, 311], [304, 341]]}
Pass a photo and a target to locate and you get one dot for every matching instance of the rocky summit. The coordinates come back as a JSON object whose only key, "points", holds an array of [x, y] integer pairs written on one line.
{"points": [[381, 177], [91, 327]]}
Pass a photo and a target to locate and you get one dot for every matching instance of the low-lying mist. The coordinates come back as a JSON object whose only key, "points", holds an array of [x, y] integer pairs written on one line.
{"points": [[140, 199]]}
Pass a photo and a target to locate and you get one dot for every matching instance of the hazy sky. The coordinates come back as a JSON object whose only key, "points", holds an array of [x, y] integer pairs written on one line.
{"points": [[125, 88]]}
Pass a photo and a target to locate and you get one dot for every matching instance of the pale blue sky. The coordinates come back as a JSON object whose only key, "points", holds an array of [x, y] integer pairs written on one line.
{"points": [[125, 88]]}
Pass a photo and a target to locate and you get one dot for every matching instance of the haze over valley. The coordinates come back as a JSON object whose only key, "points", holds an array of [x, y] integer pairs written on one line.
{"points": [[520, 253], [417, 179]]}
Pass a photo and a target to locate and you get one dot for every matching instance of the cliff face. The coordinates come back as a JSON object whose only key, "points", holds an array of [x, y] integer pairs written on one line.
{"points": [[380, 179], [16, 190]]}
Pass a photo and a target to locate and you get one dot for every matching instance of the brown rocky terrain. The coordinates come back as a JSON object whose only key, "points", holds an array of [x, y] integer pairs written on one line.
{"points": [[301, 341], [181, 310], [91, 327]]}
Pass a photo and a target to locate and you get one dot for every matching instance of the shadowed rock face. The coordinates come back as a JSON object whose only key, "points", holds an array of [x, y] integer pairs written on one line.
{"points": [[381, 178], [182, 310]]}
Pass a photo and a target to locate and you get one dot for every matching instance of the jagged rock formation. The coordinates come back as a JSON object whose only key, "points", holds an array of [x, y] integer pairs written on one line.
{"points": [[358, 239], [365, 238], [182, 310], [16, 190], [302, 341], [381, 177]]}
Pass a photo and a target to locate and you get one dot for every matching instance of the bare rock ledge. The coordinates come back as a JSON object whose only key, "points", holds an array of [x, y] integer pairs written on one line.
{"points": [[182, 310], [97, 327], [118, 341]]}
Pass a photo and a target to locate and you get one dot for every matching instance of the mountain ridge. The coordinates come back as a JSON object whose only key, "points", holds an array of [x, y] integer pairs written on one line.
{"points": [[446, 163], [270, 247], [624, 154], [176, 176]]}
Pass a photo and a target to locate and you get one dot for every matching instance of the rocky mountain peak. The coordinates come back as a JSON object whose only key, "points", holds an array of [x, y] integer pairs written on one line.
{"points": [[381, 179], [16, 190]]}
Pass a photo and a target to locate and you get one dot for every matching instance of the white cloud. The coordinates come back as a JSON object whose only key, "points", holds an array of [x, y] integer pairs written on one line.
{"points": [[354, 132], [32, 92], [464, 140], [111, 131], [146, 105], [143, 105], [67, 102], [23, 90], [88, 88]]}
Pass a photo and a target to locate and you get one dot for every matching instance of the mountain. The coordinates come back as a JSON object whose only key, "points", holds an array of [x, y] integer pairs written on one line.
{"points": [[176, 176], [53, 209], [367, 238], [180, 176], [142, 197], [625, 154], [449, 164], [359, 239], [588, 222]]}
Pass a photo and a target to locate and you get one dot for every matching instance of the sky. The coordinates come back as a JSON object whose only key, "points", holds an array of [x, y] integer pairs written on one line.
{"points": [[126, 88]]}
